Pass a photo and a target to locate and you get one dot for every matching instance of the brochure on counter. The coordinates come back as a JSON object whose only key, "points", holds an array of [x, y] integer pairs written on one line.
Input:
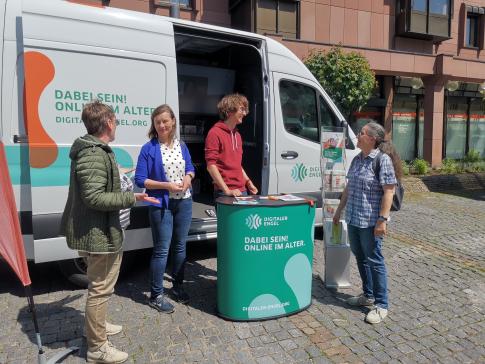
{"points": [[251, 200]]}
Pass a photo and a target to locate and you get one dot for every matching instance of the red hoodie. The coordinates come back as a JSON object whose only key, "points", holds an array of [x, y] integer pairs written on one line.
{"points": [[223, 147]]}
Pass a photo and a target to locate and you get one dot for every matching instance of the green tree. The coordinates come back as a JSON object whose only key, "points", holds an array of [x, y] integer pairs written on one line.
{"points": [[346, 77]]}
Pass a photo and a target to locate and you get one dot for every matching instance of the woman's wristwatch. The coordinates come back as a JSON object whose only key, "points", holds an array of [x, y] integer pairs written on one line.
{"points": [[383, 218]]}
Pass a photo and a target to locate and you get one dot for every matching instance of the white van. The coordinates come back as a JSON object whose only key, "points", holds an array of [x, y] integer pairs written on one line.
{"points": [[57, 56]]}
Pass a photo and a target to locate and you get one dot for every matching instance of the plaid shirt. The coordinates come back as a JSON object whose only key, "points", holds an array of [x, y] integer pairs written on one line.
{"points": [[364, 190]]}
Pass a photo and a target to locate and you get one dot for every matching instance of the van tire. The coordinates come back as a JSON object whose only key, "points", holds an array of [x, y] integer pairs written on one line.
{"points": [[74, 270]]}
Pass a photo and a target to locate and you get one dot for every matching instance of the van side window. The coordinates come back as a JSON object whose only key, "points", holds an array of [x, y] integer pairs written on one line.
{"points": [[327, 117], [299, 110]]}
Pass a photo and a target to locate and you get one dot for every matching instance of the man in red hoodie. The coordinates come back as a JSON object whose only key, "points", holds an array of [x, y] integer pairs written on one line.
{"points": [[223, 149]]}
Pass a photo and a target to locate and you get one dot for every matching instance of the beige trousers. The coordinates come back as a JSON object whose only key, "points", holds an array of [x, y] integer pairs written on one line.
{"points": [[103, 271]]}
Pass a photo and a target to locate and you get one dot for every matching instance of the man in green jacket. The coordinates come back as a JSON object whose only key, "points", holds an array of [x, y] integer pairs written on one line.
{"points": [[91, 223]]}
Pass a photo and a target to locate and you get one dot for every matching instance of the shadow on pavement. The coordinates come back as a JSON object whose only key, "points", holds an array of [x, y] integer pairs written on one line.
{"points": [[45, 278], [332, 296], [58, 324], [200, 281]]}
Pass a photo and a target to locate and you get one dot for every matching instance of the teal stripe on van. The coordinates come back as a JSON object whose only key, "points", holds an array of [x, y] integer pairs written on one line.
{"points": [[18, 164], [57, 174]]}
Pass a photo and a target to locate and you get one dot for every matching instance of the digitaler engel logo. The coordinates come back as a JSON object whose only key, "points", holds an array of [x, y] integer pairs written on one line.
{"points": [[299, 172], [253, 221]]}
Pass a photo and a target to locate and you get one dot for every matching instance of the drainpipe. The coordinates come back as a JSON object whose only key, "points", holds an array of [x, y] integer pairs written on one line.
{"points": [[174, 9]]}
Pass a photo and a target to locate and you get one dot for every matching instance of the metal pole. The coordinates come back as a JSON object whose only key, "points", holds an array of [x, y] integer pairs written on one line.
{"points": [[174, 9], [41, 358], [30, 299]]}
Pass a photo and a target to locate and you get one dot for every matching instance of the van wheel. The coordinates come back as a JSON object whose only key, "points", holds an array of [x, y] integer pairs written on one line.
{"points": [[75, 270]]}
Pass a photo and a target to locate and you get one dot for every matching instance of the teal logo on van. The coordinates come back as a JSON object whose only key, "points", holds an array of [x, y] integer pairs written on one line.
{"points": [[299, 172]]}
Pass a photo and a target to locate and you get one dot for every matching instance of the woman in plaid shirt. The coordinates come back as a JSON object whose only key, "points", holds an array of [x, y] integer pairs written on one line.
{"points": [[368, 199]]}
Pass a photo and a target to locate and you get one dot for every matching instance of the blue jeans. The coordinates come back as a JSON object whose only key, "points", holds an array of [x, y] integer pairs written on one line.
{"points": [[367, 249], [170, 226]]}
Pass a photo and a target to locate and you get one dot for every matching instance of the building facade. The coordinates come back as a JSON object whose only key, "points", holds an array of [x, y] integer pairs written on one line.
{"points": [[428, 56]]}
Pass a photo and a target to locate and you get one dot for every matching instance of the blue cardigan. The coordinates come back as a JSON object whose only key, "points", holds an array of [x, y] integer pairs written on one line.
{"points": [[150, 166]]}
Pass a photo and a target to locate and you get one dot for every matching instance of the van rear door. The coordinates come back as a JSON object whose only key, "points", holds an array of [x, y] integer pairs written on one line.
{"points": [[74, 54]]}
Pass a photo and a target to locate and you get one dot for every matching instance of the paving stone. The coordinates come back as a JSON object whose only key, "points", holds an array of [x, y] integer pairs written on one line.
{"points": [[243, 332], [374, 345], [381, 356], [405, 349], [257, 330], [254, 342], [266, 339], [299, 354], [282, 335], [288, 345], [313, 351], [295, 332]]}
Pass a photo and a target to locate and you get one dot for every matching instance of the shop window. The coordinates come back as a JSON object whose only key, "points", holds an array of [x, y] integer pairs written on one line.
{"points": [[420, 136], [465, 121], [477, 126], [456, 127], [407, 125], [277, 17], [424, 19]]}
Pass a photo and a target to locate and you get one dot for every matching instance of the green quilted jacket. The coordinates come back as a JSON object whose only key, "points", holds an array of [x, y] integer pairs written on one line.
{"points": [[91, 220]]}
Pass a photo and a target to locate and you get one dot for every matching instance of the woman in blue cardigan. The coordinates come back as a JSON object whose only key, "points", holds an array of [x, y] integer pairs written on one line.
{"points": [[165, 170]]}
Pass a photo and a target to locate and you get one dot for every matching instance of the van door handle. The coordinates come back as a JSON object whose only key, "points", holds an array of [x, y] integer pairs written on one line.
{"points": [[289, 154]]}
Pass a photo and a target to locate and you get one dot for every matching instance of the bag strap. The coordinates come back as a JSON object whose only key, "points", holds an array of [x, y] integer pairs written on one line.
{"points": [[376, 165]]}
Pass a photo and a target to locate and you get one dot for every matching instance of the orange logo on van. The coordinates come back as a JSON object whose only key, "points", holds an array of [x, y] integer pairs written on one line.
{"points": [[39, 72]]}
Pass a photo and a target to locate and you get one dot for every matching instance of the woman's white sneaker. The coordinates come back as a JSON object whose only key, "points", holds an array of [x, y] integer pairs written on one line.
{"points": [[376, 315]]}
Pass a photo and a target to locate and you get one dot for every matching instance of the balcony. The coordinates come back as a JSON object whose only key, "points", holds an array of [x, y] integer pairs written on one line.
{"points": [[424, 19]]}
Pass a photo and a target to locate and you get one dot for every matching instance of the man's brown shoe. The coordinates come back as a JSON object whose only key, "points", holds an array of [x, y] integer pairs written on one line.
{"points": [[106, 354], [112, 329]]}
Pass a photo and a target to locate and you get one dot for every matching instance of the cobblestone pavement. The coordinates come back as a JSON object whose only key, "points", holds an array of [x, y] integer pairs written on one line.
{"points": [[436, 262]]}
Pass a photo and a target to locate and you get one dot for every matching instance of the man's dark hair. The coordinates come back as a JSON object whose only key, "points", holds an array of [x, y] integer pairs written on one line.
{"points": [[95, 117]]}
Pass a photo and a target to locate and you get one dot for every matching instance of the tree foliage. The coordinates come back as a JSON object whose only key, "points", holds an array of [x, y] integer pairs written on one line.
{"points": [[347, 77]]}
